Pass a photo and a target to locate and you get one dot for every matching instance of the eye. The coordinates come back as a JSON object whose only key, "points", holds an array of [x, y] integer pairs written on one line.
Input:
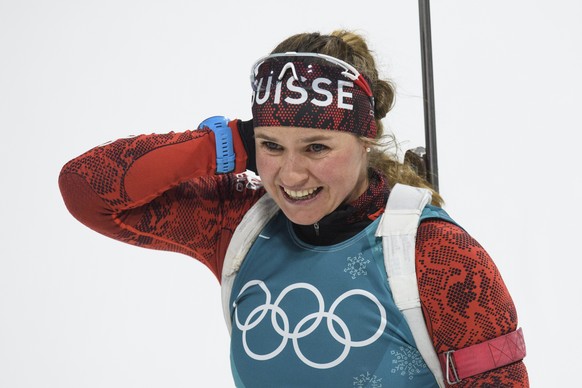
{"points": [[270, 146], [317, 148]]}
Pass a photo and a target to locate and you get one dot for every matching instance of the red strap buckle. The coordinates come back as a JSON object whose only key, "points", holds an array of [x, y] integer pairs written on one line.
{"points": [[451, 369], [476, 359]]}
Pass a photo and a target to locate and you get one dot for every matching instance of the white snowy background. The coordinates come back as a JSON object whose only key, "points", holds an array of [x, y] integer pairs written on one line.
{"points": [[80, 310]]}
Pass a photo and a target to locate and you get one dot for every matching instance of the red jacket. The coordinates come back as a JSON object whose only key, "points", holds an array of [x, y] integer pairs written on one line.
{"points": [[161, 192]]}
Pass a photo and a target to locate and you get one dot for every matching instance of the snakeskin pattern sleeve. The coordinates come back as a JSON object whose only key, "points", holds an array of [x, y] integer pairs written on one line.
{"points": [[464, 298], [160, 191]]}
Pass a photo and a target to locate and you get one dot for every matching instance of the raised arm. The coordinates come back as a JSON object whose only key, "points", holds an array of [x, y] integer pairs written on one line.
{"points": [[161, 191], [464, 299]]}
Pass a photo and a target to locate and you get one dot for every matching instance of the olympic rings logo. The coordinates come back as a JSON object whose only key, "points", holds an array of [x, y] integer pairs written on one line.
{"points": [[302, 329]]}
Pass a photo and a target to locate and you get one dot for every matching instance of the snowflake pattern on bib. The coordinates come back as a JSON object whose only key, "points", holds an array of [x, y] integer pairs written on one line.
{"points": [[407, 361], [367, 380], [357, 265]]}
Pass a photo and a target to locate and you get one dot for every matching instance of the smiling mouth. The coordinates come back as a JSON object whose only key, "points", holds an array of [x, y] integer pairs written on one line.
{"points": [[301, 195]]}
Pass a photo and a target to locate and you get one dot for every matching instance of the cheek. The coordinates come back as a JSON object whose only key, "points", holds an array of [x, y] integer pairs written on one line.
{"points": [[345, 173], [345, 166], [265, 165], [337, 173]]}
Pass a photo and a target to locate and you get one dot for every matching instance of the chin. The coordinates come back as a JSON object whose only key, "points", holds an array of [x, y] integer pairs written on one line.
{"points": [[301, 220]]}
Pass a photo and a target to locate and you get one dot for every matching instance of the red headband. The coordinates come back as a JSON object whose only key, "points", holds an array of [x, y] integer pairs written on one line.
{"points": [[313, 91]]}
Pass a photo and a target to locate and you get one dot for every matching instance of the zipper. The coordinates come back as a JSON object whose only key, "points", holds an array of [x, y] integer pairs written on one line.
{"points": [[316, 227]]}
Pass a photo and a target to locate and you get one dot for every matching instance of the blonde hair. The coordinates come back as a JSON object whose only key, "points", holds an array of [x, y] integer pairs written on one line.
{"points": [[352, 48]]}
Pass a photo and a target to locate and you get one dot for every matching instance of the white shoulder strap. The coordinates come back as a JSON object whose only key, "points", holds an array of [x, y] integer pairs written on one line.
{"points": [[398, 228], [243, 238]]}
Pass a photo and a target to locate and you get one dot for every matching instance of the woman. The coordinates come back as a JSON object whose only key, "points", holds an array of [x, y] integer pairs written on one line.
{"points": [[310, 304]]}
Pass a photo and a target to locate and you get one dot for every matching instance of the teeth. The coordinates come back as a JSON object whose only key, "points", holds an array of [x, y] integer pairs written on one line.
{"points": [[300, 193]]}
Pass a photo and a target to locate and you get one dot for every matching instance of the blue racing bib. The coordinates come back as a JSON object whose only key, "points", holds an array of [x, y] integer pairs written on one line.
{"points": [[319, 316]]}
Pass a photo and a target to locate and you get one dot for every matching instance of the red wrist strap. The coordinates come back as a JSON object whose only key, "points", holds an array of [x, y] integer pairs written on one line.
{"points": [[473, 360]]}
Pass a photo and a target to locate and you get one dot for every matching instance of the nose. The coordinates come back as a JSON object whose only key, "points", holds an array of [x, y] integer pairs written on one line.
{"points": [[294, 171]]}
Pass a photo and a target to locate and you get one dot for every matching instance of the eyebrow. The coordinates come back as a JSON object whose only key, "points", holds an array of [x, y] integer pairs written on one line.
{"points": [[310, 139]]}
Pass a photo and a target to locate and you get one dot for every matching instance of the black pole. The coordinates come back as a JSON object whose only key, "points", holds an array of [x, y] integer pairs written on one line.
{"points": [[428, 94]]}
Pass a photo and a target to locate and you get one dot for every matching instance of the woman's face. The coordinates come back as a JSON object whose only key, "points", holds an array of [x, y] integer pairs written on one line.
{"points": [[310, 172]]}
